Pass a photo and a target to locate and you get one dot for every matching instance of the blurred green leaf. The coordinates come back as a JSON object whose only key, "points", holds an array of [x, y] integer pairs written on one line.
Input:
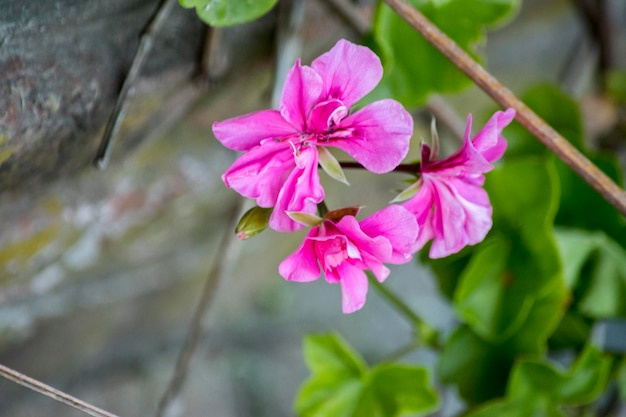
{"points": [[480, 368], [557, 109], [539, 380], [539, 388], [572, 332], [616, 85], [597, 264], [517, 408], [228, 12], [412, 74], [342, 386]]}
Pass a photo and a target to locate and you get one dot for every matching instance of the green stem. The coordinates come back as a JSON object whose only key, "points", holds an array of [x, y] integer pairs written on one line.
{"points": [[427, 336], [322, 208]]}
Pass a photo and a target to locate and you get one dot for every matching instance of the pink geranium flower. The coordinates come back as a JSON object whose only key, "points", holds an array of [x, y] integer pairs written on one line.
{"points": [[283, 147], [451, 206], [343, 248]]}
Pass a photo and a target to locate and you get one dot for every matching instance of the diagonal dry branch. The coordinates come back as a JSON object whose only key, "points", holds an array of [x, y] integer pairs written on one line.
{"points": [[51, 392], [503, 96]]}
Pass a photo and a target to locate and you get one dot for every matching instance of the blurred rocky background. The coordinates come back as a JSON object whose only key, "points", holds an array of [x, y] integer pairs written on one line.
{"points": [[100, 271]]}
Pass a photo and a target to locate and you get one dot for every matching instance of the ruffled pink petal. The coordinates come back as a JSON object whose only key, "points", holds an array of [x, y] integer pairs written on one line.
{"points": [[302, 90], [380, 271], [353, 287], [261, 172], [376, 246], [376, 136], [301, 266], [421, 205], [349, 72], [462, 216], [300, 192], [398, 226], [489, 141], [244, 132], [465, 161]]}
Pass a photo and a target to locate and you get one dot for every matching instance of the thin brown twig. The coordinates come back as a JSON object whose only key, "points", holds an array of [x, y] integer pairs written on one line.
{"points": [[53, 393], [503, 96], [117, 116], [218, 269]]}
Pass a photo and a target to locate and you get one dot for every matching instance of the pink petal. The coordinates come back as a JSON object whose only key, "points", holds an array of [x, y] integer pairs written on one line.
{"points": [[462, 216], [398, 226], [379, 135], [244, 132], [301, 266], [380, 271], [421, 205], [302, 90], [300, 192], [376, 246], [465, 161], [261, 172], [353, 287], [349, 72], [489, 141]]}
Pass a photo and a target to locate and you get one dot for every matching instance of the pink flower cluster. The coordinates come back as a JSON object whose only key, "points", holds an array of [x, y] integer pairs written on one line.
{"points": [[283, 149]]}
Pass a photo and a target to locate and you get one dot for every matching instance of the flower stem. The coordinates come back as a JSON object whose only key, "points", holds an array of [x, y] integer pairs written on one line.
{"points": [[427, 336], [407, 168], [503, 96], [322, 208]]}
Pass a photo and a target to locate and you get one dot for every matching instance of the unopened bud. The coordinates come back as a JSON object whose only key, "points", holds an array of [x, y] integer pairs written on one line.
{"points": [[253, 222]]}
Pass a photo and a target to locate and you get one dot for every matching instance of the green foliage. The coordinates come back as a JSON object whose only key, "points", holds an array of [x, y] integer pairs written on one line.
{"points": [[480, 368], [595, 270], [616, 85], [341, 384], [511, 293], [410, 76], [539, 388], [580, 205], [228, 12]]}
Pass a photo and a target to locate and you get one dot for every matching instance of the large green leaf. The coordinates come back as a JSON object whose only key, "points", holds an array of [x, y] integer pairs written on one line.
{"points": [[414, 68], [341, 385], [595, 267], [228, 12], [480, 368], [540, 388]]}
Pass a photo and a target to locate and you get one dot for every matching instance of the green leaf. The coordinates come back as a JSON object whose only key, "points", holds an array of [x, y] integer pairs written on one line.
{"points": [[483, 298], [504, 408], [557, 109], [329, 353], [596, 271], [342, 386], [583, 383], [228, 12], [480, 368], [538, 388], [616, 85], [412, 74], [402, 389]]}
